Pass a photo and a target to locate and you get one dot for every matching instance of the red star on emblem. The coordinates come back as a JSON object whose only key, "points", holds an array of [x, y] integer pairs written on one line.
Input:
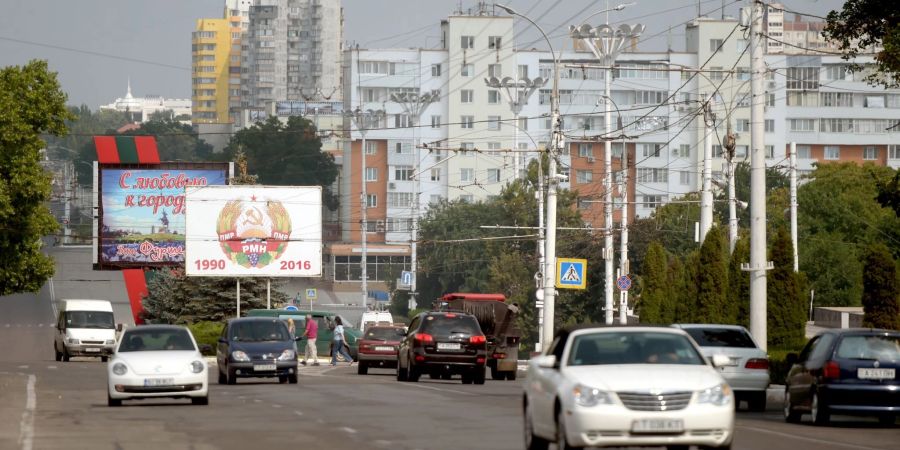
{"points": [[253, 198]]}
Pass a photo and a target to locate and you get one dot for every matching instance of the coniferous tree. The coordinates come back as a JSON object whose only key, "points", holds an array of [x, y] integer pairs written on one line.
{"points": [[881, 291], [786, 308], [655, 282], [739, 283], [674, 273], [686, 306], [712, 279]]}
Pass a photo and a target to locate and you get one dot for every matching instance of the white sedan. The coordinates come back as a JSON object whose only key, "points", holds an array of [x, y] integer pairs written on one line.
{"points": [[626, 386], [157, 361]]}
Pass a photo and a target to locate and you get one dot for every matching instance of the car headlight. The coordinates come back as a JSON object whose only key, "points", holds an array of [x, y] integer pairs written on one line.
{"points": [[110, 342], [239, 356], [287, 355], [590, 396], [73, 341], [197, 366], [717, 395], [119, 369]]}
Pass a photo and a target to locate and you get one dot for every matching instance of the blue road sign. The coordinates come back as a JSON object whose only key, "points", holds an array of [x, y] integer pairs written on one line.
{"points": [[624, 283], [571, 273], [406, 278], [291, 308]]}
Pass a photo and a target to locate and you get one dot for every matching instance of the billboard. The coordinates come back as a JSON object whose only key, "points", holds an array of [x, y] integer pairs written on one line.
{"points": [[246, 231], [141, 211]]}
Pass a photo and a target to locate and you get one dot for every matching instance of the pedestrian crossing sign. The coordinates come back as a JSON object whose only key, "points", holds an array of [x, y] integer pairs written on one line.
{"points": [[571, 273]]}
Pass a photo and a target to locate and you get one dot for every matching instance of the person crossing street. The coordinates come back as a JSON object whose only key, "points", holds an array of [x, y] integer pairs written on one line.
{"points": [[311, 332]]}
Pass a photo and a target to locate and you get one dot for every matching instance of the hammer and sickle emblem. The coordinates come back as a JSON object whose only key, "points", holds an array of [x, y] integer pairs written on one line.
{"points": [[254, 217]]}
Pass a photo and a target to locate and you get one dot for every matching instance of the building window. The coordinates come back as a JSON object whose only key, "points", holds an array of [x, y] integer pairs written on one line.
{"points": [[435, 121], [403, 173], [467, 70], [804, 152], [684, 177], [832, 152], [717, 151], [770, 125], [585, 150], [493, 96], [403, 148], [371, 147], [523, 123], [436, 174], [584, 176], [467, 122], [371, 201], [466, 174], [494, 70], [493, 175], [400, 199], [435, 70], [715, 45], [684, 150], [494, 42], [770, 151], [652, 201], [716, 73], [836, 99], [870, 153], [493, 122], [467, 198], [466, 146], [371, 174], [652, 175], [523, 71], [742, 125], [466, 95], [802, 78], [802, 125], [467, 41], [893, 151], [649, 150]]}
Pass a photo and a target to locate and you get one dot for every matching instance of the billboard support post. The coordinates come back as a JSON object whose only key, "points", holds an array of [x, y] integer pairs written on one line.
{"points": [[238, 291], [268, 293]]}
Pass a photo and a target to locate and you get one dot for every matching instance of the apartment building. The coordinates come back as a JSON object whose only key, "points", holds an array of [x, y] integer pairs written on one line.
{"points": [[210, 50]]}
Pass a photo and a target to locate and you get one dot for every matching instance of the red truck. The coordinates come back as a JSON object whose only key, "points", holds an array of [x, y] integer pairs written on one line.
{"points": [[497, 319]]}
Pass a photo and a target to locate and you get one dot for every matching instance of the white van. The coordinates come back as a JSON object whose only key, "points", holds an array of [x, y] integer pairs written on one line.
{"points": [[84, 328], [370, 318]]}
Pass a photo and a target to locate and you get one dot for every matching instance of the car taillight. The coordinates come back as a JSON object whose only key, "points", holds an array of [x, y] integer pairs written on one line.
{"points": [[757, 363], [424, 337], [479, 360], [451, 315], [498, 355], [831, 369], [477, 340]]}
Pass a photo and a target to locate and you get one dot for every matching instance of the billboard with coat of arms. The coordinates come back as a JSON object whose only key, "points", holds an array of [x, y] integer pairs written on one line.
{"points": [[267, 231]]}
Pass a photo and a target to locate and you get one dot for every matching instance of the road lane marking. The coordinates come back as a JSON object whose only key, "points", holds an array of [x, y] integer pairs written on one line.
{"points": [[276, 406], [440, 389], [51, 367], [26, 426], [348, 430], [23, 367], [299, 413], [803, 438]]}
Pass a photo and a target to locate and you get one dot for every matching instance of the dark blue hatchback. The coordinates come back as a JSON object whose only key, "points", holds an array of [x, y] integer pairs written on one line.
{"points": [[848, 371]]}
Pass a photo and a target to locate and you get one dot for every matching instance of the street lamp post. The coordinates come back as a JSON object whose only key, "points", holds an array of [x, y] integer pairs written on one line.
{"points": [[517, 92], [606, 43], [363, 120]]}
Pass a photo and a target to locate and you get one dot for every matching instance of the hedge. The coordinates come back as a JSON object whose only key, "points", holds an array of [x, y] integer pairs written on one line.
{"points": [[207, 333]]}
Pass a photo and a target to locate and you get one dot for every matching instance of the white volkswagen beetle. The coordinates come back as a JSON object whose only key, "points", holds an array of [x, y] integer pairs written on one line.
{"points": [[626, 386], [157, 361]]}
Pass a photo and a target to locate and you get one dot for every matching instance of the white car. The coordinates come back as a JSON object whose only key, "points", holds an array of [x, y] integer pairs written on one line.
{"points": [[626, 386], [157, 361]]}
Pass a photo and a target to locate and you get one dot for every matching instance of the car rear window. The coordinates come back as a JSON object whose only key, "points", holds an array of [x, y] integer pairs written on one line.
{"points": [[385, 334], [721, 337], [450, 324], [881, 348]]}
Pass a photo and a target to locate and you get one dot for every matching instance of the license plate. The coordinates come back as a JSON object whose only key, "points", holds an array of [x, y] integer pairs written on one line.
{"points": [[92, 350], [382, 348], [657, 426], [448, 346], [875, 374], [264, 367], [158, 381]]}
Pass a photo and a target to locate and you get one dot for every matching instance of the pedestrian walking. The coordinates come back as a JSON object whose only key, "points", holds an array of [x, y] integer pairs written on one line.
{"points": [[338, 342], [311, 332]]}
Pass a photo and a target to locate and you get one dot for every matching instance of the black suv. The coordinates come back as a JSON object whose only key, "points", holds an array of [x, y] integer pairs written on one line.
{"points": [[256, 347], [442, 344]]}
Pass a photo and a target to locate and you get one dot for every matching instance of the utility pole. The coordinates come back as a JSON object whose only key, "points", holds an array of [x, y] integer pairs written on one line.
{"points": [[732, 201], [539, 276], [758, 262], [794, 204], [706, 197], [623, 240]]}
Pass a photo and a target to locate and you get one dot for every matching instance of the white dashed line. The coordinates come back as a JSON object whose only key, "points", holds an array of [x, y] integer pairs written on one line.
{"points": [[276, 406], [51, 367], [22, 367], [441, 390], [348, 430], [256, 400], [299, 413], [26, 427]]}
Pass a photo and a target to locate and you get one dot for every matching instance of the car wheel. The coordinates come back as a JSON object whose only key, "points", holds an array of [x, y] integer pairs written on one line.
{"points": [[434, 375], [721, 447], [222, 378], [362, 368], [104, 358], [65, 355], [478, 376], [401, 372], [496, 374], [414, 374], [533, 442], [282, 379], [678, 447], [231, 377], [790, 415], [446, 376], [467, 378], [292, 379], [756, 401], [58, 353], [887, 420], [819, 411], [112, 401], [511, 375], [203, 401], [562, 442]]}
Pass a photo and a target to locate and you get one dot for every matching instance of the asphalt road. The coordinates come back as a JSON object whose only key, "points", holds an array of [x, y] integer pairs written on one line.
{"points": [[46, 404]]}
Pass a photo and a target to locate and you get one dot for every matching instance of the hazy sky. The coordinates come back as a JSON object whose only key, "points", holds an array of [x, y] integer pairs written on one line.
{"points": [[96, 45]]}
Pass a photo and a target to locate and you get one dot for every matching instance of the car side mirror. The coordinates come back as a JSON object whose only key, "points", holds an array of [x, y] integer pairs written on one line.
{"points": [[119, 327], [546, 361], [720, 360], [206, 349], [223, 340], [791, 359]]}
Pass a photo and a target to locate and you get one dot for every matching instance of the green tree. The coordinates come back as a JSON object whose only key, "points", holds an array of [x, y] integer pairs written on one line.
{"points": [[881, 290], [688, 289], [671, 224], [785, 305], [865, 24], [31, 103], [287, 154], [739, 282], [712, 278], [176, 141], [655, 285], [775, 180], [675, 272]]}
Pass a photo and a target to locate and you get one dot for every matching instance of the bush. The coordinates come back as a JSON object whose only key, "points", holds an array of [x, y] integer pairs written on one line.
{"points": [[207, 333], [778, 366]]}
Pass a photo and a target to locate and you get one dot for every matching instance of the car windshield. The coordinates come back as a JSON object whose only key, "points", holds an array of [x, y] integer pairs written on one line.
{"points": [[721, 337], [259, 331], [633, 347], [156, 340], [881, 348], [90, 319], [444, 325], [384, 334]]}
